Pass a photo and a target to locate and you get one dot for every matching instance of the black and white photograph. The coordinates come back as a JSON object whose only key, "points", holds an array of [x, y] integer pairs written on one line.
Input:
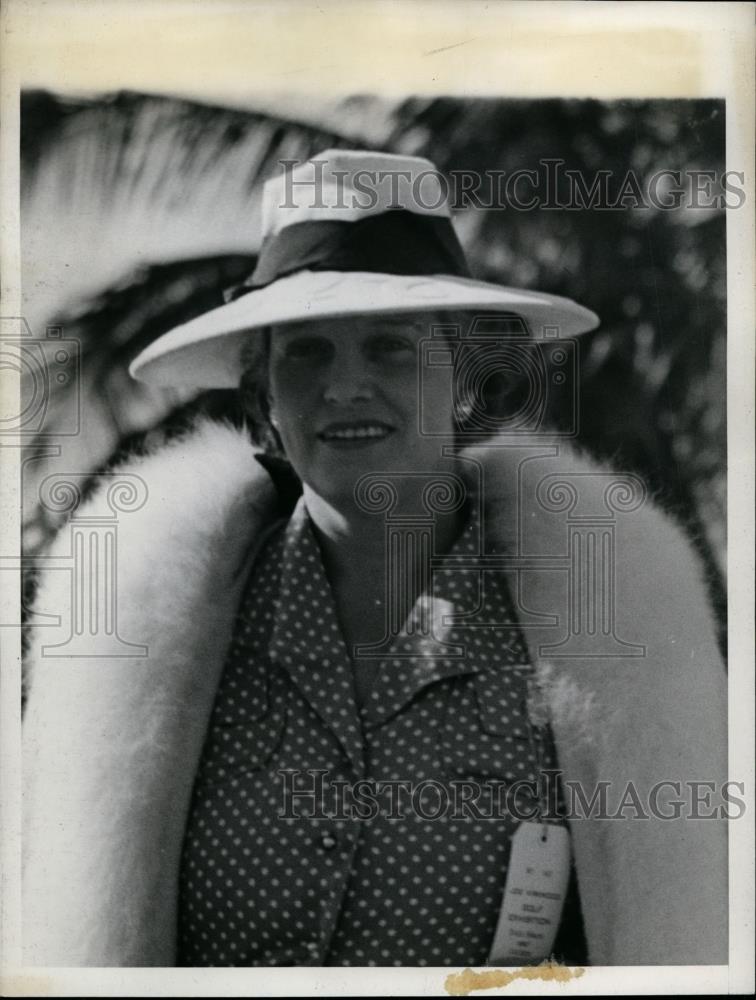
{"points": [[377, 439]]}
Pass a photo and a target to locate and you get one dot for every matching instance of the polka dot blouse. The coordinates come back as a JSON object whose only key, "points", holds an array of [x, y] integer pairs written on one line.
{"points": [[322, 832]]}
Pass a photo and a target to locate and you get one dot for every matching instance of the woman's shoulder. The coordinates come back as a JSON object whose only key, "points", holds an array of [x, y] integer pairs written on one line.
{"points": [[544, 496], [203, 504], [614, 593]]}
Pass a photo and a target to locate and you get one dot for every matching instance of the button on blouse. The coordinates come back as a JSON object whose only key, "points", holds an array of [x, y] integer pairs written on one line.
{"points": [[325, 834]]}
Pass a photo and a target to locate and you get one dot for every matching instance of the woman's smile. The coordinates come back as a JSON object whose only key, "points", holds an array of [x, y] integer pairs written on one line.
{"points": [[353, 434], [346, 399]]}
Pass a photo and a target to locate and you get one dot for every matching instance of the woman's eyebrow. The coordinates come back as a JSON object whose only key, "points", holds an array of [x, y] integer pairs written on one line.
{"points": [[418, 322], [299, 334]]}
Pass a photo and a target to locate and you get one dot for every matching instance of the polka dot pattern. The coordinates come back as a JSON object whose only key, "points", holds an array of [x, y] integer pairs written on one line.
{"points": [[279, 866]]}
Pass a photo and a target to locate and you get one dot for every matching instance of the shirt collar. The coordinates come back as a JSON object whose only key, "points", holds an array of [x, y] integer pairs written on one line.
{"points": [[306, 638], [452, 629]]}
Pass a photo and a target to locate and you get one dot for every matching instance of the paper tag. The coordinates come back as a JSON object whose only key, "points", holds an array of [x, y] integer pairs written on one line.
{"points": [[536, 888]]}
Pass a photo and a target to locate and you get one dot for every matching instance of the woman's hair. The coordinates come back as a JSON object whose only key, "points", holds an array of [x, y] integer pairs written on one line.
{"points": [[254, 390], [488, 390]]}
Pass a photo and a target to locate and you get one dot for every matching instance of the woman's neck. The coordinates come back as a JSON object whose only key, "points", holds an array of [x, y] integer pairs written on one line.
{"points": [[373, 598], [354, 542]]}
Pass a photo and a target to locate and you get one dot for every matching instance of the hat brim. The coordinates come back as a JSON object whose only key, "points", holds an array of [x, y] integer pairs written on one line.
{"points": [[205, 353]]}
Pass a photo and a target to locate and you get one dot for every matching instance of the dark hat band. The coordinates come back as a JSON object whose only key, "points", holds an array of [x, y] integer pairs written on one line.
{"points": [[393, 242]]}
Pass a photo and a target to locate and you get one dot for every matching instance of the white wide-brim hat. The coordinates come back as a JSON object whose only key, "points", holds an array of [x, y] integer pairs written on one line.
{"points": [[347, 233]]}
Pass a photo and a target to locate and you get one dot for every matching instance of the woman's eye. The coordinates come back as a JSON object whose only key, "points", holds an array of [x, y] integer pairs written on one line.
{"points": [[391, 344], [307, 349]]}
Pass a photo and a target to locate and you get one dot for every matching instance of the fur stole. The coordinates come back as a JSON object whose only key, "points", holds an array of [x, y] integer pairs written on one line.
{"points": [[111, 744]]}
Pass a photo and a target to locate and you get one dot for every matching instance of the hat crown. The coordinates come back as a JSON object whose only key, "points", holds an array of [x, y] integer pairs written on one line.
{"points": [[346, 233], [348, 185]]}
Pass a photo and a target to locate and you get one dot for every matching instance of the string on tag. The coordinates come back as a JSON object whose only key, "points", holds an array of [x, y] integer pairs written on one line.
{"points": [[538, 733], [539, 863]]}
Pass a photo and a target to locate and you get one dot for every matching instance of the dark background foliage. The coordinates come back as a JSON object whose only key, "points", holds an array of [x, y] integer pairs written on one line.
{"points": [[138, 210]]}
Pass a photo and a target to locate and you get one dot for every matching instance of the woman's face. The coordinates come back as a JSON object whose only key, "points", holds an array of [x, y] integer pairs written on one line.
{"points": [[345, 399]]}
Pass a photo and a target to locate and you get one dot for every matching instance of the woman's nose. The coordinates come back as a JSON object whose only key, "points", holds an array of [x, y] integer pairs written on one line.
{"points": [[347, 380]]}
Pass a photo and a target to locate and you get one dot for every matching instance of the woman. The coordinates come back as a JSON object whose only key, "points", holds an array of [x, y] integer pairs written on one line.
{"points": [[262, 785]]}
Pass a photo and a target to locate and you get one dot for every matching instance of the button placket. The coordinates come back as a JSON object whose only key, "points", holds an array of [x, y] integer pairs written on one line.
{"points": [[339, 847]]}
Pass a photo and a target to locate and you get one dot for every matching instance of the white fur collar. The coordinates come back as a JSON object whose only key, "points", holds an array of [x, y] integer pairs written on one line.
{"points": [[111, 745]]}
